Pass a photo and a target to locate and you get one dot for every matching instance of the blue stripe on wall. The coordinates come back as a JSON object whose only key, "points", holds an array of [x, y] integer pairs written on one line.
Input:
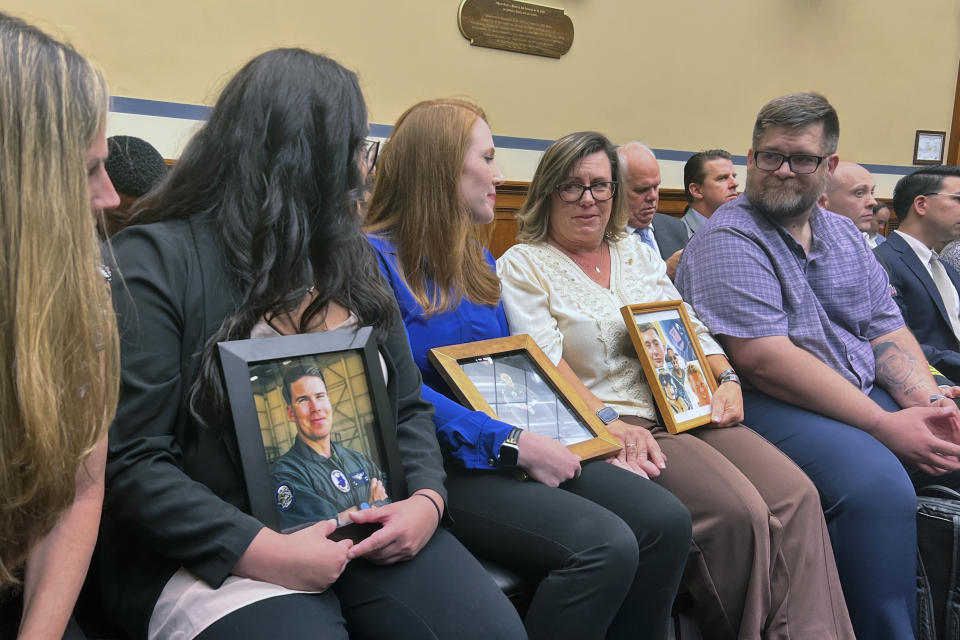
{"points": [[889, 169], [162, 109], [380, 130], [158, 108]]}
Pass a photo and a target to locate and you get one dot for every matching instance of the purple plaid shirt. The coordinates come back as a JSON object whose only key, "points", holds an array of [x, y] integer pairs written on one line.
{"points": [[747, 277]]}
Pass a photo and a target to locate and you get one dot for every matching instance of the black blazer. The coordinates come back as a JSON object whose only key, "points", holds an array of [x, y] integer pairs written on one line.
{"points": [[175, 490], [671, 234], [920, 303]]}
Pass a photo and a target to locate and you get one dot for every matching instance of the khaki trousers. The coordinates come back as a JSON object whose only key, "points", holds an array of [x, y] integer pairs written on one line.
{"points": [[761, 564]]}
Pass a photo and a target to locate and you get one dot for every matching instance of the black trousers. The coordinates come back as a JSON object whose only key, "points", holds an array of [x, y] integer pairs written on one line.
{"points": [[612, 547], [441, 593]]}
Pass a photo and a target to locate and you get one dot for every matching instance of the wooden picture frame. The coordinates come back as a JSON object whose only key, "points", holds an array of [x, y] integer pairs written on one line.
{"points": [[511, 379], [682, 384], [289, 484], [928, 147]]}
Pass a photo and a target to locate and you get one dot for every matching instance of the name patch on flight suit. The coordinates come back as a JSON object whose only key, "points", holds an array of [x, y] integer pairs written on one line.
{"points": [[359, 478]]}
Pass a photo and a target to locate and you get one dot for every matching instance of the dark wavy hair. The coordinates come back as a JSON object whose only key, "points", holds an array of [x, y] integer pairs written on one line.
{"points": [[277, 165]]}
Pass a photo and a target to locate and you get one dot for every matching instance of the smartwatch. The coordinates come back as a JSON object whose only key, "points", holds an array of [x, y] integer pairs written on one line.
{"points": [[510, 449], [608, 415]]}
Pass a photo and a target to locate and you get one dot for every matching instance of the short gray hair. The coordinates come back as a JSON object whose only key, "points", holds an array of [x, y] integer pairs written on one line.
{"points": [[626, 146], [799, 111]]}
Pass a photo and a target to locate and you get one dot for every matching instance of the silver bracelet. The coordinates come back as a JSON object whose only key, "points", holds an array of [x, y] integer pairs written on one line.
{"points": [[728, 375], [936, 397]]}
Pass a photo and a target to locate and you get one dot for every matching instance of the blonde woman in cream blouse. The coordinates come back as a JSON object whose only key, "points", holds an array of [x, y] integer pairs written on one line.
{"points": [[760, 565]]}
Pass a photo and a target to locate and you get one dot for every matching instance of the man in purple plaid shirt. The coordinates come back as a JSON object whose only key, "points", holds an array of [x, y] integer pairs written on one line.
{"points": [[833, 377]]}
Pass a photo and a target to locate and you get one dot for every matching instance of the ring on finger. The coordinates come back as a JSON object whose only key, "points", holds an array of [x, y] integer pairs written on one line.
{"points": [[630, 444]]}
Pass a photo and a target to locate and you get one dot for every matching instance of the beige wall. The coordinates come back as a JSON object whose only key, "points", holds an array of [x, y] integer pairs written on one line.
{"points": [[679, 75]]}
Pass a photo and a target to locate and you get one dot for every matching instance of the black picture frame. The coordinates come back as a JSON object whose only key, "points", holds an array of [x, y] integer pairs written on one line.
{"points": [[354, 383]]}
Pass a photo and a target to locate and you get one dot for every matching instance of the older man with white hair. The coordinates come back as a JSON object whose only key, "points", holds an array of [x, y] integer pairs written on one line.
{"points": [[641, 175]]}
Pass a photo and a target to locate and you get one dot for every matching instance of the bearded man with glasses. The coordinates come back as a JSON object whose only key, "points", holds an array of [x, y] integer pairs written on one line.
{"points": [[832, 376]]}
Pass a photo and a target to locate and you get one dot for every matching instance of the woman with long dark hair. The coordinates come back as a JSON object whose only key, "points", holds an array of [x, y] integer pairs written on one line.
{"points": [[255, 232], [609, 545], [58, 380]]}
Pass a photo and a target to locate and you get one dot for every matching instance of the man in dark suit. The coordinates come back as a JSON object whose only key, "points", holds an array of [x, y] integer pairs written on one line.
{"points": [[709, 180], [641, 173], [928, 204]]}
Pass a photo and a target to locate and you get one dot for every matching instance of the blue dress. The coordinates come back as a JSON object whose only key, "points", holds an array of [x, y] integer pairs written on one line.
{"points": [[611, 545], [471, 437]]}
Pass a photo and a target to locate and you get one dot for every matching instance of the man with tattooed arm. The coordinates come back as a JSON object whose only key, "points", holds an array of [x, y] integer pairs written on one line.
{"points": [[831, 374]]}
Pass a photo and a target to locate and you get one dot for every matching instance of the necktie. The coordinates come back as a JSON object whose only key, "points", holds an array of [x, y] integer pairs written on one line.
{"points": [[647, 238], [948, 292]]}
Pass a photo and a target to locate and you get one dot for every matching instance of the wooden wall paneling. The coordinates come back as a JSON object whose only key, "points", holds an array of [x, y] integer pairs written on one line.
{"points": [[504, 234], [510, 197], [893, 222], [673, 202]]}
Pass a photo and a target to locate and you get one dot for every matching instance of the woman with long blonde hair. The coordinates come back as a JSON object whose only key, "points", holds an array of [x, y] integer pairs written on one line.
{"points": [[58, 382], [609, 545]]}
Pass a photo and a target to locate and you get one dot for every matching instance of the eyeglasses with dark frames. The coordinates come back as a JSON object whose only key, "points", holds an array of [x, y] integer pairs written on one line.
{"points": [[371, 148], [573, 191], [955, 196], [800, 163]]}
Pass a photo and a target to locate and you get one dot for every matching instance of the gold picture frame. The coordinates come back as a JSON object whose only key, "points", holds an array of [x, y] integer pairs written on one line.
{"points": [[511, 379], [682, 384]]}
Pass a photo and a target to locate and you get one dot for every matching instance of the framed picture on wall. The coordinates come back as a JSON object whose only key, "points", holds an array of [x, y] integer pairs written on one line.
{"points": [[673, 363], [316, 436], [928, 147], [512, 379]]}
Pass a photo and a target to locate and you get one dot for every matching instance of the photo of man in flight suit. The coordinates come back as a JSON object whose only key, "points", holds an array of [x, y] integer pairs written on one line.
{"points": [[318, 479]]}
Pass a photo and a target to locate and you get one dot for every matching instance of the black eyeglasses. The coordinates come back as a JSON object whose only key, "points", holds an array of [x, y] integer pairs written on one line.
{"points": [[371, 148], [955, 196], [573, 191], [799, 163]]}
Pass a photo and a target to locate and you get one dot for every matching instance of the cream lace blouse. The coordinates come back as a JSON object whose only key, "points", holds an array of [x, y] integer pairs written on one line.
{"points": [[546, 295]]}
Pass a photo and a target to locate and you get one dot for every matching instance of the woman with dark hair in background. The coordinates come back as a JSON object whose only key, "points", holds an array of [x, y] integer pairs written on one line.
{"points": [[58, 382], [609, 545], [255, 232]]}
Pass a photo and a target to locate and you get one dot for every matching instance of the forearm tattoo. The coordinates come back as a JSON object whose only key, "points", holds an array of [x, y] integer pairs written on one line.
{"points": [[897, 371]]}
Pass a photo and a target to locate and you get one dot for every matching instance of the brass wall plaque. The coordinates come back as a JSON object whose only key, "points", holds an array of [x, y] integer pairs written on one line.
{"points": [[516, 26]]}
